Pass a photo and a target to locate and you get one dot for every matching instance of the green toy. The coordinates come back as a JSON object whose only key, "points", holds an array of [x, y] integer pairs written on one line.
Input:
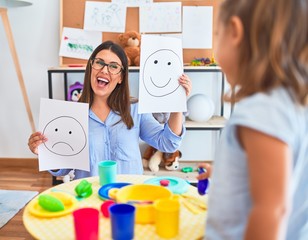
{"points": [[84, 189], [50, 203]]}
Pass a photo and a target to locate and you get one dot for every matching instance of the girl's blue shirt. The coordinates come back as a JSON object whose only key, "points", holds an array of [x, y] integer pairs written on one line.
{"points": [[112, 140], [274, 114]]}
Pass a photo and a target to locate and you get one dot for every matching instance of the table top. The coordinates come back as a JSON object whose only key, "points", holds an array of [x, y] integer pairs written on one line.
{"points": [[192, 225]]}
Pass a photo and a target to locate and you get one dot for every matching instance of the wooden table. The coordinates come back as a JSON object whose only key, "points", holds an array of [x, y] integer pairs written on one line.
{"points": [[191, 225]]}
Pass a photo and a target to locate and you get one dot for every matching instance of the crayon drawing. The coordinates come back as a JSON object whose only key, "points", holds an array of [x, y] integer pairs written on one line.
{"points": [[160, 17], [77, 43], [132, 3], [105, 17]]}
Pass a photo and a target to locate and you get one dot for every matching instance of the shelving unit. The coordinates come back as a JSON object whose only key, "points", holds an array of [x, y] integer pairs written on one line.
{"points": [[217, 122]]}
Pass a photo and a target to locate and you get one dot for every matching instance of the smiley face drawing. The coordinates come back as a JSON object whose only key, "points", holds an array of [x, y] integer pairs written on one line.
{"points": [[66, 136], [161, 73]]}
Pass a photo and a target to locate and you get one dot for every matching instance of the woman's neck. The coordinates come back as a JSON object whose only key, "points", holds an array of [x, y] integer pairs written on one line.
{"points": [[101, 109]]}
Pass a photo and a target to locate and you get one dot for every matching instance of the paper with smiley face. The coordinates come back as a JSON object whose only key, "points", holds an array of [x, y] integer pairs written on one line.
{"points": [[161, 65], [65, 124]]}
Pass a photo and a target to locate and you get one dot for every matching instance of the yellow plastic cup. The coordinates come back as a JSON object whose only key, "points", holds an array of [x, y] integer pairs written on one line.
{"points": [[167, 217]]}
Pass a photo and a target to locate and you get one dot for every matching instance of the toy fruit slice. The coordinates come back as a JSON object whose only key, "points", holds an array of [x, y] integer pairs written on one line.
{"points": [[50, 203]]}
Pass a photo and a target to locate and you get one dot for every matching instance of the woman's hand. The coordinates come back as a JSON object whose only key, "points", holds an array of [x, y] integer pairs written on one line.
{"points": [[206, 173], [185, 81], [175, 120], [35, 140]]}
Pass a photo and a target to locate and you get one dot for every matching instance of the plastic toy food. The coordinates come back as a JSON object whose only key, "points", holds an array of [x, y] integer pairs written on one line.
{"points": [[50, 203], [202, 184], [187, 169], [164, 182], [84, 189]]}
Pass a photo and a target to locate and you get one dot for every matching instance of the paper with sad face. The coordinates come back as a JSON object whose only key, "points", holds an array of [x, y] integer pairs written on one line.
{"points": [[161, 65], [65, 124]]}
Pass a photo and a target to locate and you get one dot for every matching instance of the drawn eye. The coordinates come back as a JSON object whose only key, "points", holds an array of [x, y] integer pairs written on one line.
{"points": [[156, 61], [169, 63], [56, 130], [70, 132]]}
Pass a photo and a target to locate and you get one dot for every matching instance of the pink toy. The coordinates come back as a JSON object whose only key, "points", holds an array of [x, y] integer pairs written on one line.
{"points": [[164, 182]]}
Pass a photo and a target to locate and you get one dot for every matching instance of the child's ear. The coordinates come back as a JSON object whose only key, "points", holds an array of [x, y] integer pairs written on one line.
{"points": [[236, 30]]}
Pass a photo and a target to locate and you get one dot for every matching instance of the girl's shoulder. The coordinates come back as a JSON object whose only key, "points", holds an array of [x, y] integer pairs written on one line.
{"points": [[278, 98]]}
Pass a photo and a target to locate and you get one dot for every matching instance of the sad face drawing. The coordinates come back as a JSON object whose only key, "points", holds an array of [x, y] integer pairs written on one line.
{"points": [[66, 136], [160, 73]]}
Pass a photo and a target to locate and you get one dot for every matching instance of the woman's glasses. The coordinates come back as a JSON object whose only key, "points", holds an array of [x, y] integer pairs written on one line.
{"points": [[113, 67]]}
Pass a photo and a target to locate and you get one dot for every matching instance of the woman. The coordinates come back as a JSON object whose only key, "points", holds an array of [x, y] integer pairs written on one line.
{"points": [[115, 126]]}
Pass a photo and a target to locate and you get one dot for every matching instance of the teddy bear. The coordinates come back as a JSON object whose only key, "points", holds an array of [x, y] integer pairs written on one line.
{"points": [[130, 41], [153, 159]]}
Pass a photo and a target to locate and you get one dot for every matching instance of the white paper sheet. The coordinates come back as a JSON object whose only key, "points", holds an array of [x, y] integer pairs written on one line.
{"points": [[160, 17], [132, 3], [161, 65], [104, 17], [77, 43], [197, 27], [65, 124]]}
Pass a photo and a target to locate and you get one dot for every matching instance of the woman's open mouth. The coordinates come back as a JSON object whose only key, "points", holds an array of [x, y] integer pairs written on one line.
{"points": [[102, 81]]}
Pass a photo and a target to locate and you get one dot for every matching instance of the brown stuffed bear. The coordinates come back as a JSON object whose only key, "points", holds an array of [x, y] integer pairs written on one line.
{"points": [[130, 41], [152, 159]]}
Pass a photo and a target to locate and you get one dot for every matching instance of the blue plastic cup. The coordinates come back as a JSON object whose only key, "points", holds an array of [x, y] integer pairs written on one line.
{"points": [[122, 218]]}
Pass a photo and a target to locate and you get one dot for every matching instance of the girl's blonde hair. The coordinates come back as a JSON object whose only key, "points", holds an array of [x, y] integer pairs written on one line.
{"points": [[274, 50]]}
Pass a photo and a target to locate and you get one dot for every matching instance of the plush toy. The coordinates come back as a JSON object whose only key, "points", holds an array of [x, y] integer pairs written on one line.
{"points": [[69, 177], [153, 159], [130, 41], [74, 91]]}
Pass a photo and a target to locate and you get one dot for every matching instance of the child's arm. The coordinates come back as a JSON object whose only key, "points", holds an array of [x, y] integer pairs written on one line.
{"points": [[269, 168]]}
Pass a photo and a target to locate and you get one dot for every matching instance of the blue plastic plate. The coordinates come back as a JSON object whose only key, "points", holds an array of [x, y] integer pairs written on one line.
{"points": [[176, 185], [103, 191]]}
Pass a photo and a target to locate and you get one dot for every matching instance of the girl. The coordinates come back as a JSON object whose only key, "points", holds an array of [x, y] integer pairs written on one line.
{"points": [[260, 171]]}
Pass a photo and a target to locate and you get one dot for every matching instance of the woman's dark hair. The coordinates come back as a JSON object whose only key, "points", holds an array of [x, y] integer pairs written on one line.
{"points": [[119, 100]]}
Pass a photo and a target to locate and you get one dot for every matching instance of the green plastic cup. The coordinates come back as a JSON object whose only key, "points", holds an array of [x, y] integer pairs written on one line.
{"points": [[107, 171]]}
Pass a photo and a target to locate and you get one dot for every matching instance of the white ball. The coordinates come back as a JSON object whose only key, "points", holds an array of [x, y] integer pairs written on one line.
{"points": [[200, 108]]}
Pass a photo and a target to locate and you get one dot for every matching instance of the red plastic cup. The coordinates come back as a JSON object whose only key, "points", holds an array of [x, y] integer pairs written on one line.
{"points": [[86, 222]]}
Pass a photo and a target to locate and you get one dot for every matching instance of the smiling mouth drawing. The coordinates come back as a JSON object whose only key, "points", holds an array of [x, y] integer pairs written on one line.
{"points": [[63, 143], [160, 86]]}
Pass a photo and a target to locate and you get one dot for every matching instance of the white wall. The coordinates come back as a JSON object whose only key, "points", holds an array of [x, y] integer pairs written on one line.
{"points": [[36, 34]]}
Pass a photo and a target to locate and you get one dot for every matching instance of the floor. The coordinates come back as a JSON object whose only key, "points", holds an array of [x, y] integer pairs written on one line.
{"points": [[20, 174]]}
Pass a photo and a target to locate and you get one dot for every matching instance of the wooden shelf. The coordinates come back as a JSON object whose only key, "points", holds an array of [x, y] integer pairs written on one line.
{"points": [[215, 123]]}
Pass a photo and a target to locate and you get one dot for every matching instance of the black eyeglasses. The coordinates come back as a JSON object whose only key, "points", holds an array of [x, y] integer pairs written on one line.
{"points": [[113, 67]]}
